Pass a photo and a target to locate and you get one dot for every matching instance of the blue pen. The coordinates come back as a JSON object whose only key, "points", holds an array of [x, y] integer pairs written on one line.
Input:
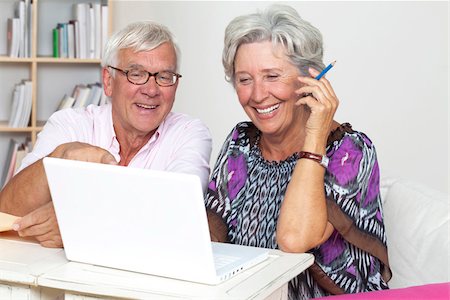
{"points": [[324, 71]]}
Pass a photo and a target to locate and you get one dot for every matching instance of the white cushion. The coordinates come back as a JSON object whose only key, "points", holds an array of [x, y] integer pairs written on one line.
{"points": [[417, 227]]}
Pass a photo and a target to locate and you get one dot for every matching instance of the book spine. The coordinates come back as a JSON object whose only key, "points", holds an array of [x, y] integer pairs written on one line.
{"points": [[55, 42]]}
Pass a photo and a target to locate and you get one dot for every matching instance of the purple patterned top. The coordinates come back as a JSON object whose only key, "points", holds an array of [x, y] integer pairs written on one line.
{"points": [[247, 192]]}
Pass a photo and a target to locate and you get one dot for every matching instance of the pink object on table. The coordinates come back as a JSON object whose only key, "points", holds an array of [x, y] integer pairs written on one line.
{"points": [[436, 291]]}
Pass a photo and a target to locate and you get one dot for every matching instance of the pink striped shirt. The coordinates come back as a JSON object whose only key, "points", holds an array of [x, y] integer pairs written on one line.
{"points": [[180, 144]]}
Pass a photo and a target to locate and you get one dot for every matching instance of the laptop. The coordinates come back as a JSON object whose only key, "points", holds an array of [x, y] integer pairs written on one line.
{"points": [[140, 220]]}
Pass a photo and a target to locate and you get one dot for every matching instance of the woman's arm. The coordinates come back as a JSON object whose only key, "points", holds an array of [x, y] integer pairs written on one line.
{"points": [[303, 222]]}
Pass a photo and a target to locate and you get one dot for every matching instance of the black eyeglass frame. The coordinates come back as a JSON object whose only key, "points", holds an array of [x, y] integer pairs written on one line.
{"points": [[149, 76]]}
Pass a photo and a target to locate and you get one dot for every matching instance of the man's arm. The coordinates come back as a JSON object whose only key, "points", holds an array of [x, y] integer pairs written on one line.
{"points": [[28, 190], [27, 193]]}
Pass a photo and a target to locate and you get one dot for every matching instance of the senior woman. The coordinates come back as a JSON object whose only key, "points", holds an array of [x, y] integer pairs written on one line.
{"points": [[293, 178]]}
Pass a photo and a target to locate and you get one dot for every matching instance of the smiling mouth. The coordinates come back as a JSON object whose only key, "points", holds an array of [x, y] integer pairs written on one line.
{"points": [[146, 106], [268, 110]]}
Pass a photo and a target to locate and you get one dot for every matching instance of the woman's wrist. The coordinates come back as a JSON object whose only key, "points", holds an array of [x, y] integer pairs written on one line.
{"points": [[314, 146]]}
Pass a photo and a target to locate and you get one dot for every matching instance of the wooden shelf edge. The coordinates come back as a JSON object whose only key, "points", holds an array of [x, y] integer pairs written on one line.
{"points": [[52, 60], [15, 59], [67, 60], [21, 129], [5, 128]]}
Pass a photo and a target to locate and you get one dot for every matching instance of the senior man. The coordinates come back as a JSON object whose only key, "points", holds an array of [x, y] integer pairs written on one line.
{"points": [[137, 129]]}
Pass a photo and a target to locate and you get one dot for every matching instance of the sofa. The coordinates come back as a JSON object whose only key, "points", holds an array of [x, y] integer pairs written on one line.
{"points": [[417, 224], [417, 228]]}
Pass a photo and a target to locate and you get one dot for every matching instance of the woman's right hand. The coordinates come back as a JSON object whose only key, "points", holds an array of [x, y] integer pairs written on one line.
{"points": [[322, 102]]}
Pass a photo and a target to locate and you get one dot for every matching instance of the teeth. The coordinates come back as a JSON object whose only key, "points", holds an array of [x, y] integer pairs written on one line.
{"points": [[146, 106], [268, 110]]}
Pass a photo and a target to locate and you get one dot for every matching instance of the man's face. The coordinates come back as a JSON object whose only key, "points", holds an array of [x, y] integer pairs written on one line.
{"points": [[138, 110]]}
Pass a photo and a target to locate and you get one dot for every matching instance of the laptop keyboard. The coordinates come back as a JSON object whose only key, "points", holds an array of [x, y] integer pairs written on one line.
{"points": [[221, 260]]}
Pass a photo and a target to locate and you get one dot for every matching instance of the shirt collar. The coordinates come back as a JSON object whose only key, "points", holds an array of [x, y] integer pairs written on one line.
{"points": [[113, 137]]}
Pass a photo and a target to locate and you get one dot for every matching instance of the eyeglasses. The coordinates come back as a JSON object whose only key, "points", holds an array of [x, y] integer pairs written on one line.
{"points": [[140, 77]]}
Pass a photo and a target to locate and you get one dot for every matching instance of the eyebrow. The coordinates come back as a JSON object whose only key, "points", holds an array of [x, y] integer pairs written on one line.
{"points": [[138, 66], [266, 70]]}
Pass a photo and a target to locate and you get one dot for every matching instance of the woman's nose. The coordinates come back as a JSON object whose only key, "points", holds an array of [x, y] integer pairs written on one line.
{"points": [[259, 91]]}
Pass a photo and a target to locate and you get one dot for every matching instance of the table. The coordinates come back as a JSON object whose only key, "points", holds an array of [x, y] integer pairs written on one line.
{"points": [[29, 271]]}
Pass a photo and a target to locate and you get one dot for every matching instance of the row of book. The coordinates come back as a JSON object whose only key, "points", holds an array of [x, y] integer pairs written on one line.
{"points": [[85, 35], [19, 30], [16, 152], [21, 105], [83, 95]]}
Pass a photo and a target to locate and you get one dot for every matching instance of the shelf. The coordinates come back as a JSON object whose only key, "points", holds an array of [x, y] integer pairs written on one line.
{"points": [[5, 128], [15, 59], [67, 60], [49, 60], [51, 77]]}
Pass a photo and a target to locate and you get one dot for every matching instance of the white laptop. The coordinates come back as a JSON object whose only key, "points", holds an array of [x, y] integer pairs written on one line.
{"points": [[140, 220]]}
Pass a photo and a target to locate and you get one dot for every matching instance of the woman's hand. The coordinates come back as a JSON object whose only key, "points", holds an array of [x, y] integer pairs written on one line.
{"points": [[217, 227], [319, 97]]}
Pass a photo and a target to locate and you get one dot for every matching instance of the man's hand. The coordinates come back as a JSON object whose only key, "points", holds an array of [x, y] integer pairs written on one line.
{"points": [[83, 152], [41, 224]]}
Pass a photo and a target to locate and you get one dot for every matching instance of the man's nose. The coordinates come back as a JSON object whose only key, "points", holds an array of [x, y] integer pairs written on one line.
{"points": [[151, 88]]}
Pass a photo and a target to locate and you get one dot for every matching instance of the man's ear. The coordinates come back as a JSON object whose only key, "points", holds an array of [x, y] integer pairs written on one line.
{"points": [[107, 82]]}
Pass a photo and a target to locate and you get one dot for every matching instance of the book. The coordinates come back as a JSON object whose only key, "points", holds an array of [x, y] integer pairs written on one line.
{"points": [[22, 151], [16, 115], [14, 107], [76, 34], [13, 37], [81, 17], [65, 41], [81, 94], [16, 153], [28, 23], [97, 8], [9, 165], [19, 13], [21, 105], [94, 94], [62, 39], [90, 32], [104, 99], [55, 33], [105, 27], [26, 111], [70, 40], [66, 102]]}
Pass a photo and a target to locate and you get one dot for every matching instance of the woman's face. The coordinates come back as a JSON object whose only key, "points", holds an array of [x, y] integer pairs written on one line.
{"points": [[265, 83]]}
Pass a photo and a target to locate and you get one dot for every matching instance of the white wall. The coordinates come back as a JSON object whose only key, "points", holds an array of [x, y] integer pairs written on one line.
{"points": [[391, 74]]}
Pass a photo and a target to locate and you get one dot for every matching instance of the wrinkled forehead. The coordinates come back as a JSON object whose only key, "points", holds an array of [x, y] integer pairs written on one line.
{"points": [[163, 56]]}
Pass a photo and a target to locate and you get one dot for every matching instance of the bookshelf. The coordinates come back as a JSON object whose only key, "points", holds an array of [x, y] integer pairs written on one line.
{"points": [[51, 77]]}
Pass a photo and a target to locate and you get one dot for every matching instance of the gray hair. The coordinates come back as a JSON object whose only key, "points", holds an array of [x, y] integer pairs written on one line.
{"points": [[282, 25], [139, 36]]}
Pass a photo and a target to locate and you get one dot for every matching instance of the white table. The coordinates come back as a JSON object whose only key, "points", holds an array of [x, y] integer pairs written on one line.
{"points": [[29, 271]]}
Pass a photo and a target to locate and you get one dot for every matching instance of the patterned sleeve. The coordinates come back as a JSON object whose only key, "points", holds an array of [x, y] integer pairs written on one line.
{"points": [[355, 256], [229, 175], [216, 199]]}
